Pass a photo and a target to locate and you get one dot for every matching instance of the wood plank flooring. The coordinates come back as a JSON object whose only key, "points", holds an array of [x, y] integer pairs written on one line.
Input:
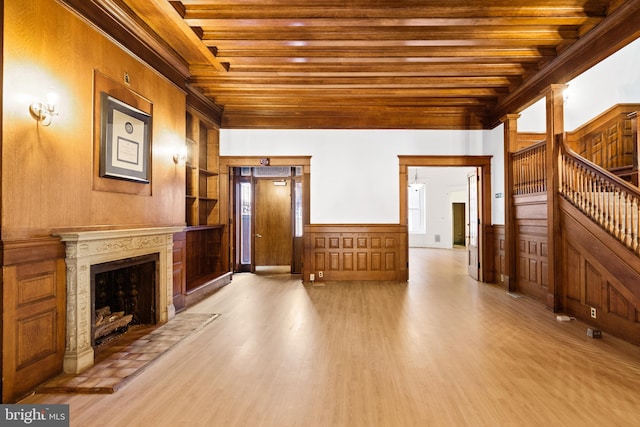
{"points": [[438, 350]]}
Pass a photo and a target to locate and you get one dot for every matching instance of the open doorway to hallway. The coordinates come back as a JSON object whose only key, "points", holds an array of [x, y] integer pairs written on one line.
{"points": [[478, 212]]}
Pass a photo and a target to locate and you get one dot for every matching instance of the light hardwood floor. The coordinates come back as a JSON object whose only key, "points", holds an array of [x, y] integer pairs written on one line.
{"points": [[439, 350]]}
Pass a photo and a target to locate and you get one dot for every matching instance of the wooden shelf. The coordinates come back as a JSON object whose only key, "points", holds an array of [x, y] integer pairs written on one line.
{"points": [[202, 186], [205, 265]]}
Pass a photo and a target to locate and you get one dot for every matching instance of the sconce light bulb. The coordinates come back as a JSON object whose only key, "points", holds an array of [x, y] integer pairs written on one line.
{"points": [[180, 157], [52, 100]]}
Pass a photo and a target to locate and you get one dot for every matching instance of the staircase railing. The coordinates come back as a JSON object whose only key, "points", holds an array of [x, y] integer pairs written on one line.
{"points": [[530, 169], [608, 200]]}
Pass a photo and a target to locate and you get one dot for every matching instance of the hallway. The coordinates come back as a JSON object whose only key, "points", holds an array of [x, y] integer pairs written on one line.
{"points": [[440, 350]]}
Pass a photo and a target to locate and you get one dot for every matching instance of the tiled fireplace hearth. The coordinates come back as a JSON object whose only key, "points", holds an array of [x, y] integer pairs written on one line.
{"points": [[87, 248]]}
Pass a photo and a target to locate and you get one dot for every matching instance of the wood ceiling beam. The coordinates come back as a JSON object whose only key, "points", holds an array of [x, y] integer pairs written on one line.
{"points": [[320, 23], [212, 35], [287, 10], [363, 44], [359, 70], [341, 82], [394, 52]]}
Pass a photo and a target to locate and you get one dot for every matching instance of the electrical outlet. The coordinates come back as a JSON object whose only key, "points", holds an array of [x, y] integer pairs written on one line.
{"points": [[320, 274], [594, 313], [312, 277]]}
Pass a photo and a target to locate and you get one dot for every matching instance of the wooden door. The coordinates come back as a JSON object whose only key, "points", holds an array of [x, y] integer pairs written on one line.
{"points": [[273, 234], [472, 226]]}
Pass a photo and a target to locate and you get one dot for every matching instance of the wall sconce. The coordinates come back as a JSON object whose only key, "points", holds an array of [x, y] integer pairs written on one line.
{"points": [[180, 157], [43, 112]]}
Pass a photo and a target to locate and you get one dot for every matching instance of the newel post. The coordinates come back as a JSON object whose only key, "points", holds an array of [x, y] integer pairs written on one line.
{"points": [[510, 122], [555, 126]]}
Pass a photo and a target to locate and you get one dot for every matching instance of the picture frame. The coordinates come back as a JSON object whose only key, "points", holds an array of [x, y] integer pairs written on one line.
{"points": [[125, 141]]}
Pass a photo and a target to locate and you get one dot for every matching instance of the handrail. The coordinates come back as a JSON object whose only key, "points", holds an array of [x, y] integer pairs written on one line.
{"points": [[529, 169], [608, 200]]}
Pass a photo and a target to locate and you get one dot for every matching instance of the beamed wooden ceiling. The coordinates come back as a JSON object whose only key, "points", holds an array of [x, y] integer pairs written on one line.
{"points": [[411, 64]]}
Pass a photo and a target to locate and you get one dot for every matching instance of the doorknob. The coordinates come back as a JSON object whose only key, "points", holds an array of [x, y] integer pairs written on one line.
{"points": [[258, 235]]}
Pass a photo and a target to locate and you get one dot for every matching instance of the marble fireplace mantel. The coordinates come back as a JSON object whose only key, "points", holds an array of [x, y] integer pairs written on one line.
{"points": [[86, 248]]}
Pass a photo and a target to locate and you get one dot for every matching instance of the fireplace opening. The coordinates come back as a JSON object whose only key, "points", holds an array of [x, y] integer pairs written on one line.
{"points": [[123, 295]]}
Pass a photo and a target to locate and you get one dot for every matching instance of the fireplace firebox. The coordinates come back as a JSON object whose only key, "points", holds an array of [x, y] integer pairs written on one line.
{"points": [[123, 295]]}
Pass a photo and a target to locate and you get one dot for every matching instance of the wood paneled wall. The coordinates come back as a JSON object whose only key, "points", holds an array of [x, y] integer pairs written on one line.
{"points": [[601, 273], [49, 173], [355, 252], [498, 255], [609, 142], [532, 272], [33, 314]]}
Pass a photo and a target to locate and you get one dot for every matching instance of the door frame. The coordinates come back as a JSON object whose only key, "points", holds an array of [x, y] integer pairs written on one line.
{"points": [[227, 191], [484, 165]]}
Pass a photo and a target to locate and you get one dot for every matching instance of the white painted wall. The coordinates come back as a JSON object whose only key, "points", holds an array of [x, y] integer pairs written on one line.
{"points": [[354, 173]]}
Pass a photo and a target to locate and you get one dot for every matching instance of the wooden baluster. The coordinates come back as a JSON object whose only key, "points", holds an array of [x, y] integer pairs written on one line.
{"points": [[594, 195], [590, 190], [581, 189], [607, 208], [563, 177], [537, 170], [542, 170], [527, 172], [618, 211], [635, 207], [532, 172], [601, 206], [627, 219], [516, 174]]}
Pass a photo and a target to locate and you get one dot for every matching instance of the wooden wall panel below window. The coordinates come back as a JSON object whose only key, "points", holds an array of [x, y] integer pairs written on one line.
{"points": [[355, 252], [33, 313]]}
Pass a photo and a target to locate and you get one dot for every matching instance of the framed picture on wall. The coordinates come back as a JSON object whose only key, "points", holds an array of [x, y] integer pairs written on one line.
{"points": [[125, 150]]}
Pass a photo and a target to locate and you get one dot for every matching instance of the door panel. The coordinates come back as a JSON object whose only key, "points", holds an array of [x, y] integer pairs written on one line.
{"points": [[472, 227], [273, 235]]}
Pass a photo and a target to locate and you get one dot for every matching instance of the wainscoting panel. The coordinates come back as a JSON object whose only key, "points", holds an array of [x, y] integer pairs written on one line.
{"points": [[598, 272], [355, 252], [34, 314], [499, 247], [532, 266]]}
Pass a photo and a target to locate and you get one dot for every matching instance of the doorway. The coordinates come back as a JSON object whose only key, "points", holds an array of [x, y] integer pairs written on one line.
{"points": [[482, 164], [267, 213]]}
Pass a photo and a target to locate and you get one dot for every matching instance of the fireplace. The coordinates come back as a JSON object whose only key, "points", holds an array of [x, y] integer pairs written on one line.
{"points": [[91, 250], [123, 295]]}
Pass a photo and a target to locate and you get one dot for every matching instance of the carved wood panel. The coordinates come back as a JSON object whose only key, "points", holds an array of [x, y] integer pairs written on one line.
{"points": [[355, 252]]}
